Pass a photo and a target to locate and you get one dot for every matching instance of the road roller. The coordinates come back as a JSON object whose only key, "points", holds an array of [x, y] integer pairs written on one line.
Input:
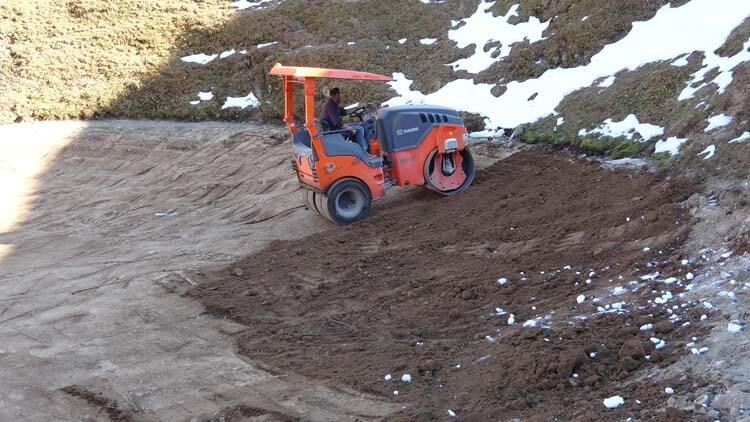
{"points": [[343, 171]]}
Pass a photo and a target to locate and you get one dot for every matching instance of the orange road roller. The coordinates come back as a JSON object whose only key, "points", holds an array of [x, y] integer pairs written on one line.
{"points": [[344, 171]]}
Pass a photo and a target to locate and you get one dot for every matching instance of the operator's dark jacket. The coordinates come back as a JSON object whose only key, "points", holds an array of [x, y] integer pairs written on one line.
{"points": [[332, 115]]}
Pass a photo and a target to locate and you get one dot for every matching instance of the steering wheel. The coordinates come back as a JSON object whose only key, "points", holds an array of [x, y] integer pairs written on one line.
{"points": [[356, 110]]}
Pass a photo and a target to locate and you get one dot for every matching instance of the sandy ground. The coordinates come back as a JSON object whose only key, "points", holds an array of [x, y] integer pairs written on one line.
{"points": [[101, 224]]}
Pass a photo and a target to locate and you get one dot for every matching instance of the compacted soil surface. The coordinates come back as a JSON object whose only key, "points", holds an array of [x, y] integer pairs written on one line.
{"points": [[540, 292]]}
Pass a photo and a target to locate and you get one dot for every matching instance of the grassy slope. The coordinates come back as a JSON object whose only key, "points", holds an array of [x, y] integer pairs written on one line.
{"points": [[69, 59], [83, 58]]}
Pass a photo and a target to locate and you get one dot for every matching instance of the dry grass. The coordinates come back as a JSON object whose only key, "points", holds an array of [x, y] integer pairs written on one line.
{"points": [[70, 59]]}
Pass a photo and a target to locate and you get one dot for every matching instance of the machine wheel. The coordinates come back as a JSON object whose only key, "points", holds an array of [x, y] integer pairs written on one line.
{"points": [[449, 173], [347, 201]]}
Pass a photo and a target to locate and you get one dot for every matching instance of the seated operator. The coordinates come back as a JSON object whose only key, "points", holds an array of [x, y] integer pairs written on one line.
{"points": [[332, 113]]}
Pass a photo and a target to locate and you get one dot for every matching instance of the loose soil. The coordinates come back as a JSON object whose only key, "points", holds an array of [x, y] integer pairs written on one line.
{"points": [[414, 289]]}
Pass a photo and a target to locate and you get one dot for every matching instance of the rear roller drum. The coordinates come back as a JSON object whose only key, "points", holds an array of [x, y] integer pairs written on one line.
{"points": [[449, 173], [347, 201]]}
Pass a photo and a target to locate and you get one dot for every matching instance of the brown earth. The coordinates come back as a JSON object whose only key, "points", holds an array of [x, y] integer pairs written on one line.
{"points": [[414, 290]]}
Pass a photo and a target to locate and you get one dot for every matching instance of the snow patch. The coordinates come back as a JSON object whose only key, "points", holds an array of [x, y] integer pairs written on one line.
{"points": [[712, 61], [205, 96], [627, 128], [242, 102], [672, 32], [199, 58], [482, 28], [742, 138], [613, 402], [680, 62], [671, 145], [227, 53], [607, 82], [717, 121], [266, 44], [244, 4], [427, 41], [709, 152]]}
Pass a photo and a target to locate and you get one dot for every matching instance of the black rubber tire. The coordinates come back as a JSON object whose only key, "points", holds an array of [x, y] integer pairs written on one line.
{"points": [[468, 167], [348, 200]]}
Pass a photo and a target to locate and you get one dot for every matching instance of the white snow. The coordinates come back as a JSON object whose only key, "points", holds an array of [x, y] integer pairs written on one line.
{"points": [[672, 32], [584, 18], [244, 4], [689, 276], [451, 413], [723, 64], [242, 102], [227, 53], [671, 145], [613, 402], [406, 378], [709, 152], [482, 28], [199, 58], [387, 377], [627, 128], [502, 281], [511, 319], [742, 138], [607, 82], [669, 390], [717, 121], [205, 96], [402, 40], [580, 299], [647, 327], [427, 41], [351, 43], [395, 392], [618, 291], [196, 102], [680, 62], [266, 44], [734, 328], [560, 121]]}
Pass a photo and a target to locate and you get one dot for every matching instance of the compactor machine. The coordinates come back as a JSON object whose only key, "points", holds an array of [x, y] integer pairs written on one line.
{"points": [[342, 175]]}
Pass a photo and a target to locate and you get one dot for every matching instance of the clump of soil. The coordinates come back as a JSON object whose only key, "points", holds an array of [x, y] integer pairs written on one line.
{"points": [[247, 413], [417, 290], [110, 407]]}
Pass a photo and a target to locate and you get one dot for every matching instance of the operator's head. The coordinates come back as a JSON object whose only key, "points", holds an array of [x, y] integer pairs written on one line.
{"points": [[334, 94]]}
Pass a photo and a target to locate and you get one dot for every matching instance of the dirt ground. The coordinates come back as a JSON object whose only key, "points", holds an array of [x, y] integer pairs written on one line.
{"points": [[415, 290], [118, 237], [101, 225]]}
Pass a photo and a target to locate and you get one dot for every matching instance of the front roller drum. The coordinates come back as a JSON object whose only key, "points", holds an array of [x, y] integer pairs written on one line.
{"points": [[347, 201], [449, 173]]}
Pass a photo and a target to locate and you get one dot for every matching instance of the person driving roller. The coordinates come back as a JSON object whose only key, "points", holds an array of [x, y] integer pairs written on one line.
{"points": [[331, 119]]}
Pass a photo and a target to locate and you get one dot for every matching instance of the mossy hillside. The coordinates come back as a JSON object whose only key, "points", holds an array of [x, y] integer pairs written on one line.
{"points": [[124, 60], [569, 40]]}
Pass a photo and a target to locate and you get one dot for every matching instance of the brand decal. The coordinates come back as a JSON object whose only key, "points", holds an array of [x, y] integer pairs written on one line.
{"points": [[400, 132]]}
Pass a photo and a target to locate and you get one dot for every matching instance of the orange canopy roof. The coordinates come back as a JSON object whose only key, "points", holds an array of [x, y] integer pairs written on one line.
{"points": [[315, 72]]}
